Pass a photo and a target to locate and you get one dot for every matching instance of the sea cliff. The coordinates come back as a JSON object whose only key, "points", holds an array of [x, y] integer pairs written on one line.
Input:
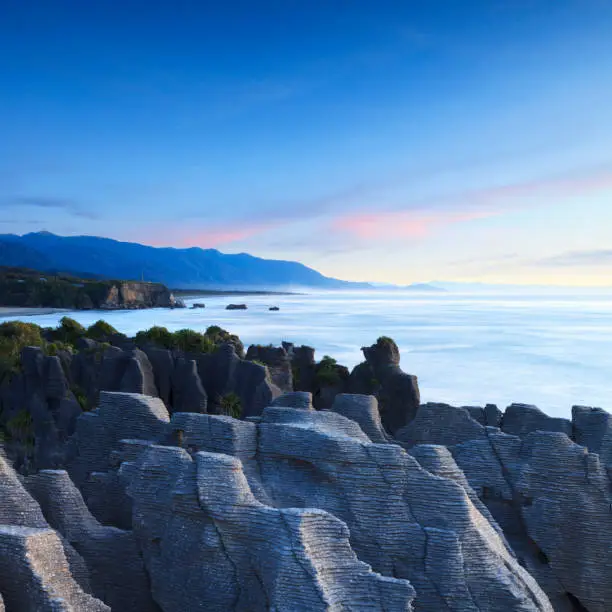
{"points": [[29, 288], [179, 472]]}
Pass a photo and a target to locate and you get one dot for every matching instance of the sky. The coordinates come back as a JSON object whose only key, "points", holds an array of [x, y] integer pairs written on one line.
{"points": [[390, 141]]}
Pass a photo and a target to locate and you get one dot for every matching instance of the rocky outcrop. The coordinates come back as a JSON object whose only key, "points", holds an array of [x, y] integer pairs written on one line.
{"points": [[224, 372], [158, 503], [34, 574], [550, 496], [363, 409], [521, 419], [112, 556], [397, 392], [592, 428], [31, 554], [133, 294], [277, 361], [39, 411], [302, 366], [296, 458]]}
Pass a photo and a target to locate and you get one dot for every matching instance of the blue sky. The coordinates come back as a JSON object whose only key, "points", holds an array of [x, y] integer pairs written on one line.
{"points": [[390, 141]]}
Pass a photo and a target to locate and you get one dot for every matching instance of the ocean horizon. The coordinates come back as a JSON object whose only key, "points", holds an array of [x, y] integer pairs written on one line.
{"points": [[554, 351]]}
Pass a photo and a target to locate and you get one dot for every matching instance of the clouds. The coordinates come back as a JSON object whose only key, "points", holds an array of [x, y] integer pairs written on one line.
{"points": [[73, 208], [573, 259]]}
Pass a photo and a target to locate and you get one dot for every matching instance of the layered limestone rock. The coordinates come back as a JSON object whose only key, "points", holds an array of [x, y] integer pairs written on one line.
{"points": [[224, 372], [117, 571], [244, 555], [592, 428], [297, 509], [403, 521], [551, 497], [34, 574], [294, 399], [363, 409], [522, 419]]}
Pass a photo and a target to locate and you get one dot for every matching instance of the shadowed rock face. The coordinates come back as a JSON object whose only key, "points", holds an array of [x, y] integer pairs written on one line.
{"points": [[40, 396], [397, 392], [278, 362]]}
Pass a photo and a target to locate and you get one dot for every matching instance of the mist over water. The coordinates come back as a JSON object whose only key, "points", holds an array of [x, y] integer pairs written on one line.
{"points": [[552, 351]]}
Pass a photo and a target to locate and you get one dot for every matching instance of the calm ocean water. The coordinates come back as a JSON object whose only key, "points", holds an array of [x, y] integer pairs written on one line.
{"points": [[552, 351]]}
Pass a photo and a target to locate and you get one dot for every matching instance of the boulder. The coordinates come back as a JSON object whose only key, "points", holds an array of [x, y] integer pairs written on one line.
{"points": [[522, 419], [278, 363], [295, 399], [363, 409], [440, 424]]}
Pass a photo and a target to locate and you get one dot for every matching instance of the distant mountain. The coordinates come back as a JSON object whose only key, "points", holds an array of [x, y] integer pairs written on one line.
{"points": [[89, 256]]}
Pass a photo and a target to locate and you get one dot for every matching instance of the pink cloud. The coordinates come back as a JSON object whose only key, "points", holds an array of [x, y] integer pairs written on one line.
{"points": [[209, 237], [401, 224], [424, 217]]}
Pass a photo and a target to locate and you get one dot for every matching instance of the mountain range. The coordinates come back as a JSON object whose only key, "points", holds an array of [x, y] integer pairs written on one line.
{"points": [[191, 268]]}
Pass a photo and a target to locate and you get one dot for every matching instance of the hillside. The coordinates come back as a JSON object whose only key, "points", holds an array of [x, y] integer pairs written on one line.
{"points": [[177, 268], [23, 287]]}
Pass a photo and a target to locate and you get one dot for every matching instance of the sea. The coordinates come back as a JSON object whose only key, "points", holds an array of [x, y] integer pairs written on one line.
{"points": [[554, 351]]}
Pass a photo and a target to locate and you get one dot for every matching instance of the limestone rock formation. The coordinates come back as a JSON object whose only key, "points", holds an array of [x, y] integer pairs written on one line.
{"points": [[112, 555], [295, 399], [521, 419], [155, 502], [397, 392], [363, 409], [550, 496], [592, 428], [39, 406], [278, 363], [440, 424], [34, 574], [402, 521], [133, 294]]}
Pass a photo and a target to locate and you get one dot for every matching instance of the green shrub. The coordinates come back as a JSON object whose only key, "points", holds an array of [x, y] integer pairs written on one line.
{"points": [[21, 427], [295, 374], [231, 405], [326, 373], [101, 330], [69, 331], [80, 397], [53, 348], [160, 336], [192, 341], [14, 336]]}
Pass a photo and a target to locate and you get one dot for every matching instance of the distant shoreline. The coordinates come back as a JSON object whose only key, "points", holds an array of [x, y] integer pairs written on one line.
{"points": [[28, 311], [186, 293]]}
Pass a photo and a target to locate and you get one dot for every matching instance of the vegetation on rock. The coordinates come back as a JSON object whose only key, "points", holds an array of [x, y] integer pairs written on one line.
{"points": [[14, 336], [231, 405]]}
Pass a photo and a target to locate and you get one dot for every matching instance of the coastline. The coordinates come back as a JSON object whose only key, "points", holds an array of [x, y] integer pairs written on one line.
{"points": [[27, 311]]}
